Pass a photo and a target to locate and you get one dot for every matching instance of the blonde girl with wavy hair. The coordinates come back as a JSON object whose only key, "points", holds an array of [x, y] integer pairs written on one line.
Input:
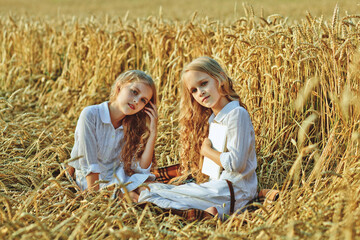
{"points": [[207, 96], [193, 113], [114, 141]]}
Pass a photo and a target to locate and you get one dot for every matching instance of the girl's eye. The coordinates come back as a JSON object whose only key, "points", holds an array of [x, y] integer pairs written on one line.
{"points": [[143, 100], [193, 90], [134, 92], [204, 83]]}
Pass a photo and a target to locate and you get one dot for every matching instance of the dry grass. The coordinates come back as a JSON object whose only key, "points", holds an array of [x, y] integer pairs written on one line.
{"points": [[300, 83]]}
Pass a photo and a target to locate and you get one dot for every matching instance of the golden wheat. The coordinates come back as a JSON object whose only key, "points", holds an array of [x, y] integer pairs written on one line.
{"points": [[300, 83]]}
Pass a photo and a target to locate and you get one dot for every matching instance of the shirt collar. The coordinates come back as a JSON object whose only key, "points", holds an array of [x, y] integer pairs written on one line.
{"points": [[105, 113], [224, 111]]}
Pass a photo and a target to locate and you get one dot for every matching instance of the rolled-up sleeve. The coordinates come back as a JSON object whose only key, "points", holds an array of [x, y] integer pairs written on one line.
{"points": [[239, 141], [138, 169], [85, 147]]}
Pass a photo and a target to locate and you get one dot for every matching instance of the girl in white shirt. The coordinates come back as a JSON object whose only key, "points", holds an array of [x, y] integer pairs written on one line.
{"points": [[115, 140], [207, 93]]}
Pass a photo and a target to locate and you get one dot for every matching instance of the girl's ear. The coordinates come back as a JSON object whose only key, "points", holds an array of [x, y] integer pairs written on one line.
{"points": [[225, 81], [118, 88]]}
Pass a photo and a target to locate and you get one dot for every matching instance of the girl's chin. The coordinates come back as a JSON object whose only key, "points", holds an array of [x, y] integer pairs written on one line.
{"points": [[206, 105]]}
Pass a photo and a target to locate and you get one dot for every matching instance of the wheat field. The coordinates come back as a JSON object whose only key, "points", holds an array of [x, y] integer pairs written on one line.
{"points": [[300, 82]]}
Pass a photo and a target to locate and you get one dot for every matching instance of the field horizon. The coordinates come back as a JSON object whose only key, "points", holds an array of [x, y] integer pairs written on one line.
{"points": [[226, 11]]}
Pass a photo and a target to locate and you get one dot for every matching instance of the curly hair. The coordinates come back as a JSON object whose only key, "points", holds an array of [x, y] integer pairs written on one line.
{"points": [[136, 127], [193, 117]]}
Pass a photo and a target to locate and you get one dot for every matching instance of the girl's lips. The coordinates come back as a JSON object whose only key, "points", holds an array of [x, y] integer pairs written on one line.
{"points": [[205, 98], [131, 106]]}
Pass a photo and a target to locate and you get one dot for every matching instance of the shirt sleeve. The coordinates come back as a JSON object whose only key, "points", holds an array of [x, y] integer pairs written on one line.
{"points": [[240, 141], [85, 147], [138, 169]]}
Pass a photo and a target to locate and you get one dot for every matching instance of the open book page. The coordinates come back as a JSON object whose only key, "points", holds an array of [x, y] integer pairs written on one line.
{"points": [[217, 136]]}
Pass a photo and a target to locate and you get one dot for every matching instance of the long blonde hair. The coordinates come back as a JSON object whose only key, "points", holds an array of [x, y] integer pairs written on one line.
{"points": [[136, 127], [193, 117]]}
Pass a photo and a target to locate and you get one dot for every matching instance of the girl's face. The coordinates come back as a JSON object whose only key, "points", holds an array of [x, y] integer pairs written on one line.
{"points": [[204, 89], [133, 97]]}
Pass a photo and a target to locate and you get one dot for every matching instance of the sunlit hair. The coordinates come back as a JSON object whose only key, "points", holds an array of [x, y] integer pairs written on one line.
{"points": [[136, 127], [193, 117]]}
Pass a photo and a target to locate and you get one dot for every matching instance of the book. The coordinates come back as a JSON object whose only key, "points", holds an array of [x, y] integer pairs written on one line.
{"points": [[217, 136]]}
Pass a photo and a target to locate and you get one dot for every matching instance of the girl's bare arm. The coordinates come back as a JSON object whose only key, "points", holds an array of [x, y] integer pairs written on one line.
{"points": [[148, 153]]}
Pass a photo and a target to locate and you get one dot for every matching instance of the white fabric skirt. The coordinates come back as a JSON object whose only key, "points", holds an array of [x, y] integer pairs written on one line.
{"points": [[214, 193]]}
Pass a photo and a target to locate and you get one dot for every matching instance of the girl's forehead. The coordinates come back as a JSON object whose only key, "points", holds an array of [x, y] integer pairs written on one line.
{"points": [[192, 78], [136, 84], [143, 87]]}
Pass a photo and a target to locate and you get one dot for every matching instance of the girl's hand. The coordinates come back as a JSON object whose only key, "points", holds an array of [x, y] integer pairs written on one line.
{"points": [[91, 178], [206, 145], [207, 151], [153, 114], [70, 170]]}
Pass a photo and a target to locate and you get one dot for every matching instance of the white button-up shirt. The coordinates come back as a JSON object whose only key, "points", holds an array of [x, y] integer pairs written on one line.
{"points": [[239, 158], [97, 149]]}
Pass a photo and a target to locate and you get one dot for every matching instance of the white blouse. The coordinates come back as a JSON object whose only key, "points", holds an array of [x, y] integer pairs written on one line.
{"points": [[239, 158], [97, 149]]}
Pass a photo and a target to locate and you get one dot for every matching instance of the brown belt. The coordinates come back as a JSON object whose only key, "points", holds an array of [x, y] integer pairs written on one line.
{"points": [[232, 197]]}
